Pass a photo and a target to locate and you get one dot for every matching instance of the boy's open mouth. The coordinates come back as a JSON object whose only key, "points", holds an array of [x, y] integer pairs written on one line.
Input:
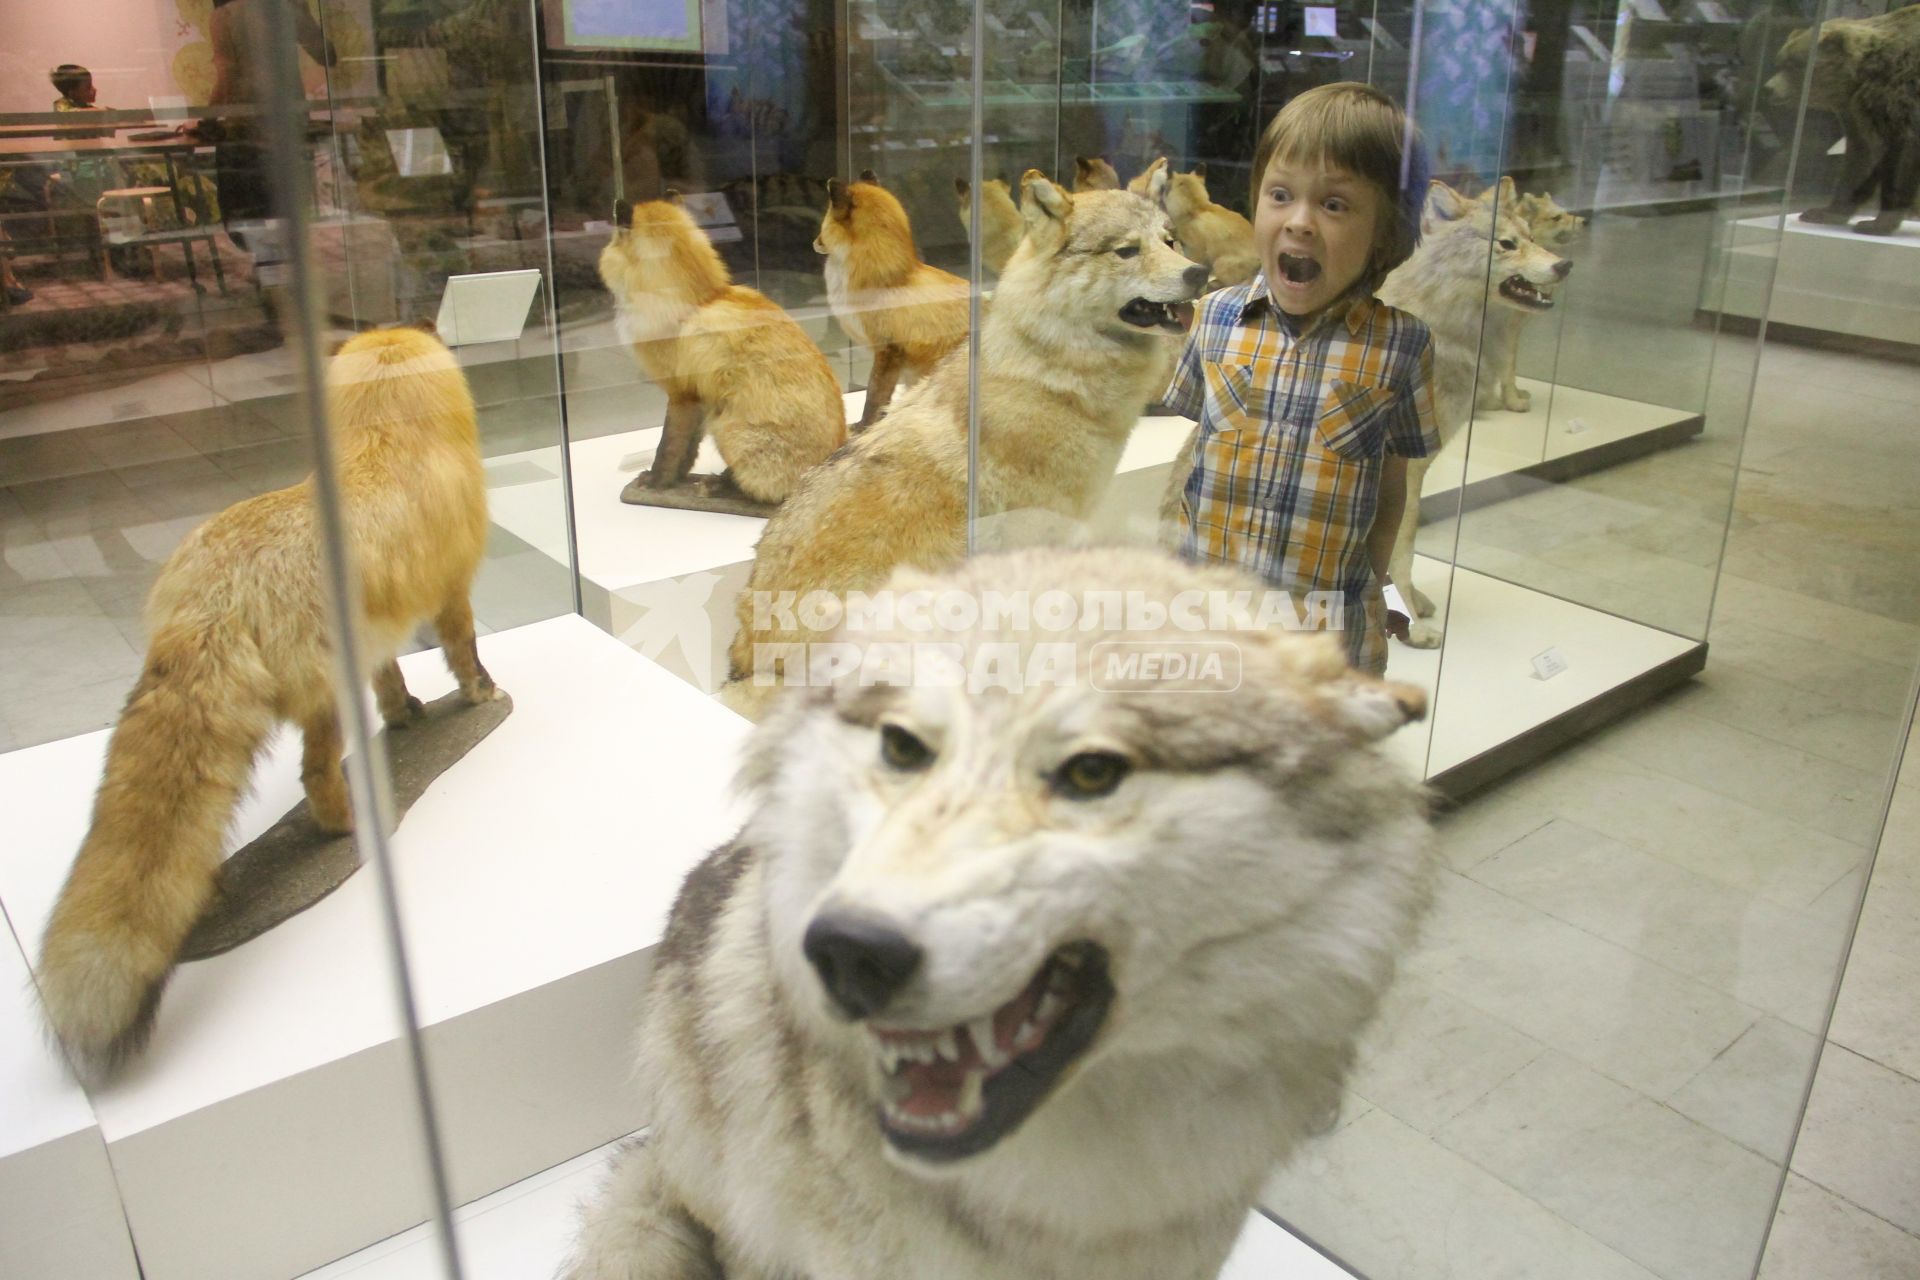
{"points": [[1298, 268], [1519, 289], [1143, 313], [956, 1091]]}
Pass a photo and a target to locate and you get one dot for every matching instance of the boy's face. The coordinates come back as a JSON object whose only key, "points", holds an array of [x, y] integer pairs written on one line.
{"points": [[1314, 228]]}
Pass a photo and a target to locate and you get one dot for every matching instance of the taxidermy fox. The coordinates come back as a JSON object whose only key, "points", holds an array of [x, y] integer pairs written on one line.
{"points": [[1094, 173], [1211, 234], [998, 214], [238, 644], [907, 313], [730, 360]]}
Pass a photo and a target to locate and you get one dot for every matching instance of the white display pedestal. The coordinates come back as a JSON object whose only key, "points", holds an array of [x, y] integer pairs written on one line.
{"points": [[267, 1128], [525, 1230], [1827, 279]]}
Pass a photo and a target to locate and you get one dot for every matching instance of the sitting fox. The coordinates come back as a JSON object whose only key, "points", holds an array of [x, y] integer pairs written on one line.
{"points": [[732, 363], [238, 644]]}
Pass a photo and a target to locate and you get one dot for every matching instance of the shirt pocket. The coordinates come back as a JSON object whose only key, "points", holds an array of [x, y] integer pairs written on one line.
{"points": [[1352, 418]]}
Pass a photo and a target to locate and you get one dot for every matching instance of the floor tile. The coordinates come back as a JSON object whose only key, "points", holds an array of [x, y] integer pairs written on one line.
{"points": [[48, 456], [134, 444], [1621, 1014], [1392, 1205], [1430, 1055], [46, 715], [1878, 1012], [1861, 1137], [1819, 1236], [1673, 1195], [1752, 1093], [1762, 954]]}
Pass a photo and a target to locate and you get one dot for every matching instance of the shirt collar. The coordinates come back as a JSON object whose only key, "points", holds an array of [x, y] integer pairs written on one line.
{"points": [[1260, 296]]}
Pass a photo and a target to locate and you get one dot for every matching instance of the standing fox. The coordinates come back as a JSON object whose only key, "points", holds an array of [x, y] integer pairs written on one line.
{"points": [[730, 360], [998, 214], [1211, 234], [907, 313], [238, 645]]}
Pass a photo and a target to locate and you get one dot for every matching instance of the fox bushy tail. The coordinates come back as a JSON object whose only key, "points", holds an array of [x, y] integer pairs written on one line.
{"points": [[177, 766]]}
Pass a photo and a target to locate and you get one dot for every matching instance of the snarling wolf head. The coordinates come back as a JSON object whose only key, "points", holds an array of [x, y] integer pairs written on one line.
{"points": [[1050, 871], [1102, 260], [1470, 243], [659, 264]]}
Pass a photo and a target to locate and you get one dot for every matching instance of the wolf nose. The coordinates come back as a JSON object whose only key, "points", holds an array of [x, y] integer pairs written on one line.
{"points": [[1562, 267], [1195, 278], [861, 961]]}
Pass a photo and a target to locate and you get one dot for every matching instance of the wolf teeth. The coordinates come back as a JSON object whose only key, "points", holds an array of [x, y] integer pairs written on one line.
{"points": [[972, 1094], [947, 1045], [986, 1041]]}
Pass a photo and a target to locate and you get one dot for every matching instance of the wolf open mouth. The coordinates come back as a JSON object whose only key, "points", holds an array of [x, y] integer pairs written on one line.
{"points": [[1299, 269], [956, 1091], [1143, 313], [1520, 290]]}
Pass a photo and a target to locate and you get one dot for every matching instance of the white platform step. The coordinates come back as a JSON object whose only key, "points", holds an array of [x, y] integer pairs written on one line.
{"points": [[1828, 278], [267, 1128], [525, 1230]]}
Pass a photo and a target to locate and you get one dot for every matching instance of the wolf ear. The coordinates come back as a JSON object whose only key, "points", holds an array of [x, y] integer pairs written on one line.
{"points": [[1371, 708], [962, 187], [672, 196], [1157, 177], [622, 215], [1445, 203], [1199, 170], [868, 175], [838, 198], [1508, 193], [1042, 203]]}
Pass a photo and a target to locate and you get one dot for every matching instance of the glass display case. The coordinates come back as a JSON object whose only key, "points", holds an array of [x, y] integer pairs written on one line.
{"points": [[687, 260]]}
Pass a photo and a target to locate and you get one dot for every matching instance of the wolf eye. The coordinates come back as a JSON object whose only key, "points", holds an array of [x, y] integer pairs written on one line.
{"points": [[1127, 251], [1090, 775], [902, 751], [1509, 244]]}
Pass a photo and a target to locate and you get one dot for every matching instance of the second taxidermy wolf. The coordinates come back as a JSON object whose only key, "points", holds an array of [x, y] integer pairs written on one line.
{"points": [[1079, 339], [998, 214], [1551, 227], [1211, 234], [1034, 984], [910, 315], [732, 363], [1473, 260], [238, 645]]}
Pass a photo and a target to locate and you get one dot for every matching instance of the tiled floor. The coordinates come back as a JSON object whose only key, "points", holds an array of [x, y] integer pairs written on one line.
{"points": [[1594, 1064]]}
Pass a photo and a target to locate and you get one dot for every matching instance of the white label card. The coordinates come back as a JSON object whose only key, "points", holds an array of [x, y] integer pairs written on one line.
{"points": [[1548, 663]]}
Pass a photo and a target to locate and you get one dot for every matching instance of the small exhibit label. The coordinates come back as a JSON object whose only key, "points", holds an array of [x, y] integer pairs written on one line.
{"points": [[1548, 663]]}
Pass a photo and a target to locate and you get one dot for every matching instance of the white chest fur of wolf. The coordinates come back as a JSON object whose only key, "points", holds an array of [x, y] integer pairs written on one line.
{"points": [[1032, 983]]}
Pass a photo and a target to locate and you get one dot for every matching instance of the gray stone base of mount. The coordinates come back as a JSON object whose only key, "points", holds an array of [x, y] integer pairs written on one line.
{"points": [[697, 493], [293, 864]]}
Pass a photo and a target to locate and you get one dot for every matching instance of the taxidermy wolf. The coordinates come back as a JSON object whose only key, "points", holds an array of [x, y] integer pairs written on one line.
{"points": [[1034, 982]]}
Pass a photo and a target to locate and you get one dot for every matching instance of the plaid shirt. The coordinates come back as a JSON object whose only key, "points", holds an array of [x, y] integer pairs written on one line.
{"points": [[1294, 431]]}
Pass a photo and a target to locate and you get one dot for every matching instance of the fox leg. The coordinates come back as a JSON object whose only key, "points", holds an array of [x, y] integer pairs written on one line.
{"points": [[322, 776], [679, 443], [455, 628], [885, 376], [398, 708], [638, 1230]]}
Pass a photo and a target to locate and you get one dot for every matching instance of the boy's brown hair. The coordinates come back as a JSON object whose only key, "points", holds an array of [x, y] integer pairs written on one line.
{"points": [[1353, 126], [70, 78]]}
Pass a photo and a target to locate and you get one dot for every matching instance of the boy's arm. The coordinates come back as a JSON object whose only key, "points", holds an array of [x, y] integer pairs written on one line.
{"points": [[1386, 514]]}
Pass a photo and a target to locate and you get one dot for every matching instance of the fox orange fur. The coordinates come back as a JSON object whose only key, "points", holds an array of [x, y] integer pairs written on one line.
{"points": [[238, 644], [730, 360], [998, 214], [1094, 173], [1211, 234], [907, 313]]}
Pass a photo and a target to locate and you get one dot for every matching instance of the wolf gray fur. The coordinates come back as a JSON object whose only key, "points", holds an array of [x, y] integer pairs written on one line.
{"points": [[1165, 911]]}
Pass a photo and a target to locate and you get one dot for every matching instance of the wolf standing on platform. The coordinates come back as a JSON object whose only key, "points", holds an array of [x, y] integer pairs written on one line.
{"points": [[238, 644], [1032, 984]]}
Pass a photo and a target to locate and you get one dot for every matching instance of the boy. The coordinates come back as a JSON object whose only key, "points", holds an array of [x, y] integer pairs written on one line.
{"points": [[1310, 393], [77, 93]]}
